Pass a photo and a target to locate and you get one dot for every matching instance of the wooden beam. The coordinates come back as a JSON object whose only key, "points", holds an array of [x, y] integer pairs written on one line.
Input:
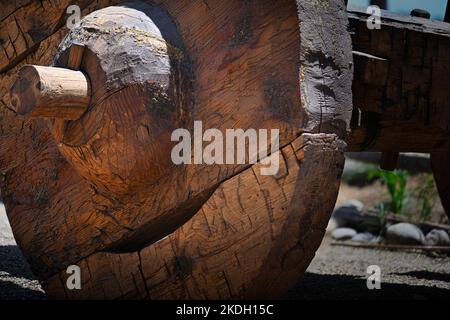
{"points": [[400, 87], [389, 160]]}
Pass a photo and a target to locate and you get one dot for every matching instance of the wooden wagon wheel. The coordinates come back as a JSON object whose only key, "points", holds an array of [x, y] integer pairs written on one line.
{"points": [[85, 155]]}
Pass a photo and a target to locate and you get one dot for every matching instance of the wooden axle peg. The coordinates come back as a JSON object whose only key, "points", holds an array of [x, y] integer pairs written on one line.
{"points": [[50, 92]]}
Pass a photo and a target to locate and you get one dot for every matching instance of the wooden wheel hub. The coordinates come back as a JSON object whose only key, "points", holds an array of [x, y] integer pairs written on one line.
{"points": [[134, 91]]}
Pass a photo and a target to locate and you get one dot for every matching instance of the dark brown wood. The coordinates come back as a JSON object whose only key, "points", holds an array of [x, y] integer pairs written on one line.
{"points": [[440, 164], [75, 59], [29, 23], [400, 88], [389, 160]]}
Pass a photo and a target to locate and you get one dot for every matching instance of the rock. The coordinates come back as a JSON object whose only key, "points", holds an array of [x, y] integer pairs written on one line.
{"points": [[404, 233], [349, 214], [437, 237], [355, 172], [356, 204], [343, 234], [365, 237]]}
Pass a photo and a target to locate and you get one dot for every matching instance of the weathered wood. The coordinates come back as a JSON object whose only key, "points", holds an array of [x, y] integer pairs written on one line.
{"points": [[400, 90], [242, 65], [400, 87], [27, 24], [253, 238], [74, 61], [108, 205], [49, 92], [109, 186], [326, 66]]}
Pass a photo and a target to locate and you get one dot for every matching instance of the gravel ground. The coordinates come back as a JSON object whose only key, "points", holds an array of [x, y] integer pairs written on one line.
{"points": [[340, 273], [16, 280], [335, 273]]}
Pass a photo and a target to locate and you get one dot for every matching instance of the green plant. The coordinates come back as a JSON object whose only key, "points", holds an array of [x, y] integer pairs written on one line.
{"points": [[396, 184], [426, 194], [382, 215]]}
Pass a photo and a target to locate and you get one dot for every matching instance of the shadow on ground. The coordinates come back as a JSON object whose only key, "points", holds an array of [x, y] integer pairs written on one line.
{"points": [[17, 282], [345, 287], [427, 275], [13, 262], [11, 291]]}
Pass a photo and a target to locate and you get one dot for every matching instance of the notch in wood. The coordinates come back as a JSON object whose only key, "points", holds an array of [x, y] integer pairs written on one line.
{"points": [[75, 59]]}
